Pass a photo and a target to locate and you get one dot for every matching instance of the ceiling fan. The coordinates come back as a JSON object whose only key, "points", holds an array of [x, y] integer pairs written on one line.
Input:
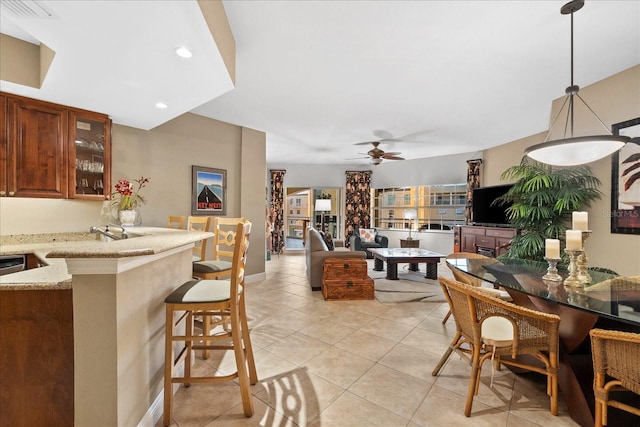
{"points": [[377, 155]]}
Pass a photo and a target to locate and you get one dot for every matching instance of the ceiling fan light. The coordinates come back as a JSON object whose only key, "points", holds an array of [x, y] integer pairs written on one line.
{"points": [[576, 151], [376, 161]]}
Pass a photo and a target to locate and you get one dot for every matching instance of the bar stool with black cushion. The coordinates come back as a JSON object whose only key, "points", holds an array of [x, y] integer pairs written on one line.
{"points": [[224, 237], [490, 328], [220, 298], [616, 369], [219, 266], [174, 221]]}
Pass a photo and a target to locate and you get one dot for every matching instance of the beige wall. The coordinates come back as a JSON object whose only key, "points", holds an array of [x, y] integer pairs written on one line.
{"points": [[615, 99], [164, 154]]}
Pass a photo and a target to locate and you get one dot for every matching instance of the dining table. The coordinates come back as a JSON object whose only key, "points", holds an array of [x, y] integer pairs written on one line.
{"points": [[608, 301]]}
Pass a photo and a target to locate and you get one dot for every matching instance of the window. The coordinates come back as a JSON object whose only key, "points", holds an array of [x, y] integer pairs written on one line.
{"points": [[438, 206]]}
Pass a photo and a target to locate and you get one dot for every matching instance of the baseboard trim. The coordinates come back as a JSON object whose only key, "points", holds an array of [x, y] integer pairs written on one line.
{"points": [[255, 277], [154, 413]]}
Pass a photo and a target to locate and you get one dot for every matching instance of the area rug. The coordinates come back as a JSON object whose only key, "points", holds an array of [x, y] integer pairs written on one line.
{"points": [[410, 287]]}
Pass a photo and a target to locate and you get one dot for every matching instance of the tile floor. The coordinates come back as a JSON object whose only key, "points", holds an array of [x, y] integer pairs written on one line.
{"points": [[355, 363]]}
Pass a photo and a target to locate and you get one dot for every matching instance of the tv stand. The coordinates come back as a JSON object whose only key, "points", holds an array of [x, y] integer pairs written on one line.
{"points": [[488, 241]]}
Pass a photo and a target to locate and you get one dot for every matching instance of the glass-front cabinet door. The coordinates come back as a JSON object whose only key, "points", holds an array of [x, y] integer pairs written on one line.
{"points": [[89, 156]]}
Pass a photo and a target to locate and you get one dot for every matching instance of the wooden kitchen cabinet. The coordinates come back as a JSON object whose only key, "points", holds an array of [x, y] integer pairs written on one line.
{"points": [[3, 145], [89, 156], [53, 151], [37, 149]]}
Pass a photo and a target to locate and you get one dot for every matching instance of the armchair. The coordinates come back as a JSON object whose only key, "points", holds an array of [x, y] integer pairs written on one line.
{"points": [[357, 241], [316, 251], [498, 330]]}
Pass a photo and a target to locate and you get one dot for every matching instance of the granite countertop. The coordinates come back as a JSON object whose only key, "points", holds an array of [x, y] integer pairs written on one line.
{"points": [[52, 249]]}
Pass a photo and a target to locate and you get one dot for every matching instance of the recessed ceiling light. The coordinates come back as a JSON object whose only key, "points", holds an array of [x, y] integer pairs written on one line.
{"points": [[161, 105], [184, 52]]}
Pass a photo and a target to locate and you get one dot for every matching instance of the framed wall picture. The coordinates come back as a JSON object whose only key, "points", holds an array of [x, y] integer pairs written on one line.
{"points": [[208, 191], [625, 180]]}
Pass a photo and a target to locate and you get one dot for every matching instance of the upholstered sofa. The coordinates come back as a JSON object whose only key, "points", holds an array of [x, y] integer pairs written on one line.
{"points": [[316, 251], [358, 243]]}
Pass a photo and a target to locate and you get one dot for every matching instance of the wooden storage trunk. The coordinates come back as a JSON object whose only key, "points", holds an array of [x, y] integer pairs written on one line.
{"points": [[346, 279], [348, 289]]}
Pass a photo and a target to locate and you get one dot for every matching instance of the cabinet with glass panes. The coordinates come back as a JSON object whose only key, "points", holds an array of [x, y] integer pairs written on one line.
{"points": [[90, 155]]}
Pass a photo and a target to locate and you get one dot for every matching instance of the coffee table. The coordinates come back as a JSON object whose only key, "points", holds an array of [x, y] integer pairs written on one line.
{"points": [[393, 256]]}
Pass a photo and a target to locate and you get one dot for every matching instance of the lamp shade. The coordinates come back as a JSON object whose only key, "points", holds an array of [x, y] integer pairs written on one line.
{"points": [[576, 151], [410, 214], [323, 205]]}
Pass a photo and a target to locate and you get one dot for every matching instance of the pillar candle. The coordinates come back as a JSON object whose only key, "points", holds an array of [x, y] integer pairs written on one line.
{"points": [[580, 221], [574, 240], [552, 248]]}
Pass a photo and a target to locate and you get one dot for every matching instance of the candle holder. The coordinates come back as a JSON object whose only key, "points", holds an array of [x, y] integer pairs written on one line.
{"points": [[552, 270], [583, 274], [574, 278]]}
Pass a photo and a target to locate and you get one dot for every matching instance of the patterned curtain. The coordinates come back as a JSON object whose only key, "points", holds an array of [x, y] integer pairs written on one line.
{"points": [[357, 202], [473, 181], [277, 210]]}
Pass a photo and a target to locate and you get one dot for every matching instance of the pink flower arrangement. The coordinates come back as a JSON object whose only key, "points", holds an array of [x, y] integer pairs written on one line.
{"points": [[125, 197]]}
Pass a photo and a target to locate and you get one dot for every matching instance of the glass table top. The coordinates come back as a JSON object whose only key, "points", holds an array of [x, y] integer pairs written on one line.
{"points": [[608, 295]]}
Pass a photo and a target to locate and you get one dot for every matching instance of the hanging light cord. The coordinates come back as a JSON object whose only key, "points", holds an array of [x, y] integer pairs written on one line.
{"points": [[571, 91]]}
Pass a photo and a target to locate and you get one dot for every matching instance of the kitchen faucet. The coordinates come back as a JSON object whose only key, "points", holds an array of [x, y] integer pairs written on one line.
{"points": [[107, 233]]}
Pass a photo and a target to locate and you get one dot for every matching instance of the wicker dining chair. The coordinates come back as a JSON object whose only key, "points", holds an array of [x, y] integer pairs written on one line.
{"points": [[467, 278], [616, 368], [491, 328]]}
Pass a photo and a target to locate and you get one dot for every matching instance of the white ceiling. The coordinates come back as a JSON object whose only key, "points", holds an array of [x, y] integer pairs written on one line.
{"points": [[444, 77]]}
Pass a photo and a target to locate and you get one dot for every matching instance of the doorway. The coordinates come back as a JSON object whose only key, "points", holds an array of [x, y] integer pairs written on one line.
{"points": [[300, 212]]}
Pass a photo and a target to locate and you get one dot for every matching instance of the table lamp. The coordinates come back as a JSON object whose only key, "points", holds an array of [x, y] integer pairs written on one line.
{"points": [[410, 214], [322, 205]]}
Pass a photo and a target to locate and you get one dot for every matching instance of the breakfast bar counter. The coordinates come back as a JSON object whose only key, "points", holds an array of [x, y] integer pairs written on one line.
{"points": [[84, 332]]}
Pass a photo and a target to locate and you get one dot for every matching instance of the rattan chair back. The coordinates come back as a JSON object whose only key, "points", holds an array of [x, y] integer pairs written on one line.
{"points": [[535, 333], [461, 276], [616, 367]]}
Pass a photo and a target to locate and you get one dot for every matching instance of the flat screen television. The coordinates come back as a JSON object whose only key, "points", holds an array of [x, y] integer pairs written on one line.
{"points": [[483, 211]]}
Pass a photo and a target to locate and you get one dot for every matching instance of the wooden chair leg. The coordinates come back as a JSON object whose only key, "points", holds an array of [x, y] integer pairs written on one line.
{"points": [[446, 317], [554, 394], [189, 345], [169, 356], [473, 380], [246, 339], [447, 354], [206, 331], [598, 415], [241, 363]]}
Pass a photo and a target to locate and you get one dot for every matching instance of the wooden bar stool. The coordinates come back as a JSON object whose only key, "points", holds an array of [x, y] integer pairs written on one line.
{"points": [[220, 298], [224, 237], [174, 221], [199, 223]]}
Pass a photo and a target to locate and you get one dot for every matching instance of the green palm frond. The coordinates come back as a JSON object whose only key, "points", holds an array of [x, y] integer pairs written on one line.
{"points": [[541, 201]]}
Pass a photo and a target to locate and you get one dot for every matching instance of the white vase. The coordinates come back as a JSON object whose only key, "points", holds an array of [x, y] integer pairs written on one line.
{"points": [[128, 217]]}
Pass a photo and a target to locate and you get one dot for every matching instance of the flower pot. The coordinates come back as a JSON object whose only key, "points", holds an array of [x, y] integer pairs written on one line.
{"points": [[128, 218]]}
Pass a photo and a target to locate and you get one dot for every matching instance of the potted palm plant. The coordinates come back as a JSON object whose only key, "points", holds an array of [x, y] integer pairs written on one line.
{"points": [[541, 202]]}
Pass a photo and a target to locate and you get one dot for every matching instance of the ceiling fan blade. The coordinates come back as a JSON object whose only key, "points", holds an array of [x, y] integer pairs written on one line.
{"points": [[392, 157], [357, 158], [366, 142], [391, 153]]}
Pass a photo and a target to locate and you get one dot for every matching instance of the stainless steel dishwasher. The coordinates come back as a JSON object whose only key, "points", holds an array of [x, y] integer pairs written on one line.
{"points": [[11, 264]]}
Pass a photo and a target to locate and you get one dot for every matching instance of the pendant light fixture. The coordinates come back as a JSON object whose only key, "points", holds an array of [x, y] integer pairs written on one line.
{"points": [[573, 151]]}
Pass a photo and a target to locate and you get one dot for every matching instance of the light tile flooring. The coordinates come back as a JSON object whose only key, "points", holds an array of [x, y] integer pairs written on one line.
{"points": [[355, 363]]}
